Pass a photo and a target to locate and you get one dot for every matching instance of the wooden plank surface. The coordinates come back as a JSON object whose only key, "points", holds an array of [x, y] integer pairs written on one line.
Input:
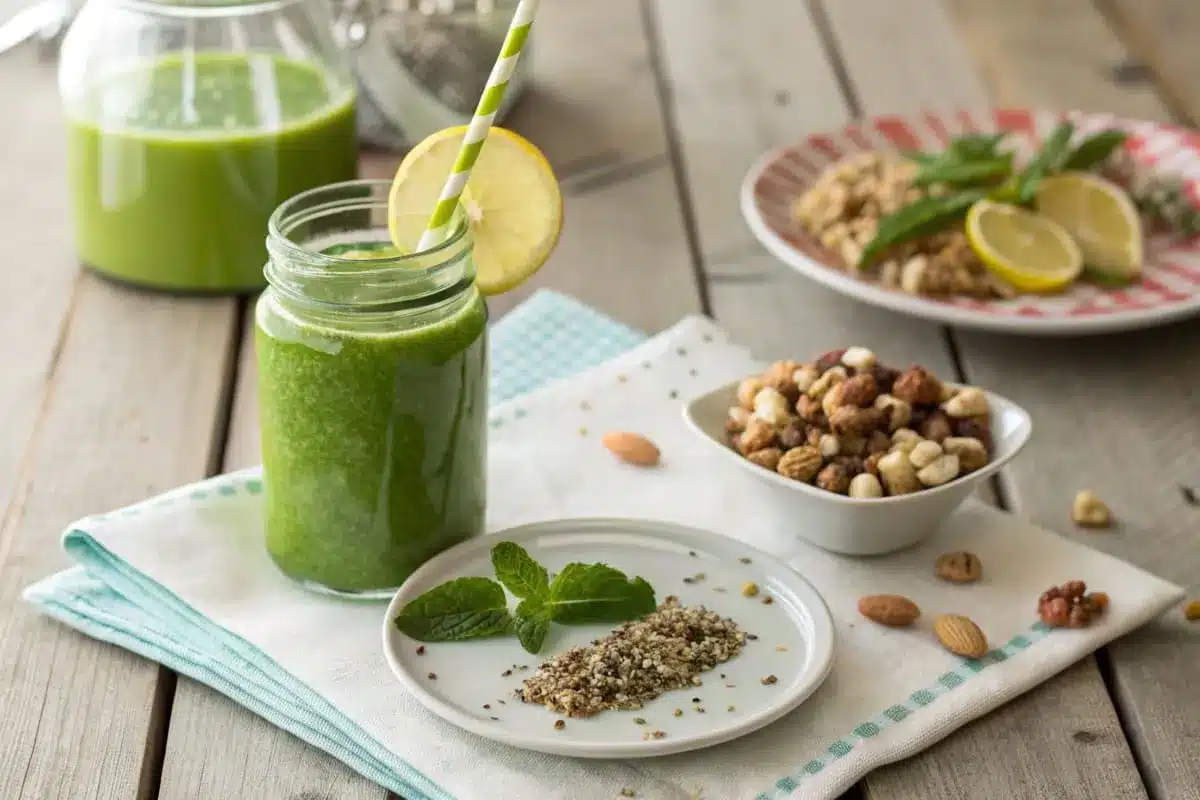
{"points": [[109, 396], [1161, 35], [1137, 392], [595, 113]]}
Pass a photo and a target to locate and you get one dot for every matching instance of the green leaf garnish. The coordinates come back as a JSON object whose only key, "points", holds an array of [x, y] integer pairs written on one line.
{"points": [[1109, 280], [1094, 150], [966, 173], [519, 573], [464, 608], [922, 218], [974, 146], [1048, 161], [584, 593], [532, 624]]}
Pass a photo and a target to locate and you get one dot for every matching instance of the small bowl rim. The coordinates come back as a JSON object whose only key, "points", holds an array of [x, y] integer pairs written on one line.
{"points": [[971, 478]]}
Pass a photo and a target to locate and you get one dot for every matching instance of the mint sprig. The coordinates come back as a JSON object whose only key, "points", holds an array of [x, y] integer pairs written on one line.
{"points": [[472, 608]]}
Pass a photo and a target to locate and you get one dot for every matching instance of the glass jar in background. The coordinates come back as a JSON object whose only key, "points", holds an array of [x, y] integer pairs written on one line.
{"points": [[422, 65], [372, 370], [189, 123]]}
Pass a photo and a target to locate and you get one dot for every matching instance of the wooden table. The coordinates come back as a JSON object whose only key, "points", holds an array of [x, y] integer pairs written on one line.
{"points": [[651, 110]]}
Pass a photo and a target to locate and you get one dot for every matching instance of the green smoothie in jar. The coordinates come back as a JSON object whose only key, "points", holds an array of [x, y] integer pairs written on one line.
{"points": [[372, 392]]}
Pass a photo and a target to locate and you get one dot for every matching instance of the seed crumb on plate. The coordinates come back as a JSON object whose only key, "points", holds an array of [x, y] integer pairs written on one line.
{"points": [[559, 724], [769, 680], [433, 676]]}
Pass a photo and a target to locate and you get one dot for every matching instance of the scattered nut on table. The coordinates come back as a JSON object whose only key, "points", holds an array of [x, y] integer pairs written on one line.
{"points": [[959, 567], [1070, 606], [860, 428], [1089, 511]]}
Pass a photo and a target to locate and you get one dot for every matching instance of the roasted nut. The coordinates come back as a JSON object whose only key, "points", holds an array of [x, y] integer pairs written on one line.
{"points": [[832, 400], [759, 435], [1089, 511], [878, 442], [865, 485], [859, 358], [972, 455], [871, 463], [899, 412], [810, 411], [885, 377], [831, 377], [918, 386], [829, 359], [854, 465], [975, 428], [829, 445], [959, 567], [853, 445], [860, 391], [924, 454], [800, 463], [771, 406], [937, 426], [833, 478], [905, 439], [779, 376], [898, 474], [738, 417], [805, 377], [747, 391], [943, 470], [814, 436], [970, 402], [767, 458], [1069, 606], [1191, 612], [793, 434], [853, 421]]}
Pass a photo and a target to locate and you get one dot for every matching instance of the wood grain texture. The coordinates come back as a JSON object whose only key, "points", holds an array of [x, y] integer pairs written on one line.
{"points": [[130, 411], [1161, 34], [907, 57], [623, 250]]}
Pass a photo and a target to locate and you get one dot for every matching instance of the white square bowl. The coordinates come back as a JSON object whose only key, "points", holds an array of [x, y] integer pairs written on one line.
{"points": [[855, 526]]}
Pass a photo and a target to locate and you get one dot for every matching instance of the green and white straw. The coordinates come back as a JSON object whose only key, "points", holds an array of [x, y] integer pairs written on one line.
{"points": [[481, 123]]}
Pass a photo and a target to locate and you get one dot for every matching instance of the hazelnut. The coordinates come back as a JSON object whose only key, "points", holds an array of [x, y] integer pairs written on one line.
{"points": [[800, 463], [833, 478], [793, 434], [937, 426], [780, 378], [767, 458], [759, 435], [748, 389], [1090, 511], [924, 454], [771, 406], [810, 411], [878, 442], [885, 377], [942, 470], [859, 391], [865, 485], [853, 421], [805, 377], [829, 445], [969, 402], [859, 359], [917, 386], [831, 377], [853, 445], [898, 474], [899, 412], [972, 455], [829, 359]]}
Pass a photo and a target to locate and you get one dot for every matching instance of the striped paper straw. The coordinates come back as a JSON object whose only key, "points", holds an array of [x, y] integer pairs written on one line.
{"points": [[481, 123]]}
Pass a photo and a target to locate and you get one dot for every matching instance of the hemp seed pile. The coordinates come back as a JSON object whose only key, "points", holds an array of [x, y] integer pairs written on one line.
{"points": [[637, 662]]}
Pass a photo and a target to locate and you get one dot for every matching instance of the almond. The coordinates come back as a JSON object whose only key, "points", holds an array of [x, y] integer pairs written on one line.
{"points": [[960, 636], [632, 448], [892, 610]]}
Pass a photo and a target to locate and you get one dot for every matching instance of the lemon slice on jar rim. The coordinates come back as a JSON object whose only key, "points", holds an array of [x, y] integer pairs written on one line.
{"points": [[1032, 252], [512, 201]]}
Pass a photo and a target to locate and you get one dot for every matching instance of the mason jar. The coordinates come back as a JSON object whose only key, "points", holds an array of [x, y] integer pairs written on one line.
{"points": [[189, 123], [372, 370]]}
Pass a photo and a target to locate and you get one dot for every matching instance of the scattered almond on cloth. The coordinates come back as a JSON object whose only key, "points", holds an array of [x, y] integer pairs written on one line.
{"points": [[632, 448], [960, 636]]}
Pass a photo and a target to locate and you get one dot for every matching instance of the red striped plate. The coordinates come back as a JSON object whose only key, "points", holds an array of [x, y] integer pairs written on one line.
{"points": [[1170, 284]]}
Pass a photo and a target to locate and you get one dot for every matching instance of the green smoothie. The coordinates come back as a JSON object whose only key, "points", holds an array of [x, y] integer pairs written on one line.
{"points": [[175, 167], [373, 442]]}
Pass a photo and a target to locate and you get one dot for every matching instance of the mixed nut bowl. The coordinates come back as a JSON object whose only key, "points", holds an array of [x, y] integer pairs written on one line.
{"points": [[858, 457]]}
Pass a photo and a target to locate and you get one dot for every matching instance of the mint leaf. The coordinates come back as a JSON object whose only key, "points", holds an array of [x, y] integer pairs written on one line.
{"points": [[464, 608], [519, 573], [1048, 160], [1094, 150], [532, 624], [585, 593]]}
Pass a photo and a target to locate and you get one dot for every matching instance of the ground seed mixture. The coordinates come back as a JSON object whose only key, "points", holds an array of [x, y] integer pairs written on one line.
{"points": [[636, 662]]}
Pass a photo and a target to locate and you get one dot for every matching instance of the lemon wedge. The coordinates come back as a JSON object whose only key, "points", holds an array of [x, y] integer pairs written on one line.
{"points": [[1099, 216], [512, 201], [1032, 252]]}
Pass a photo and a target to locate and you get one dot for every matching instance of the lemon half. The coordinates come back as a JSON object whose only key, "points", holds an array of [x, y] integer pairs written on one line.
{"points": [[1032, 252], [1099, 216], [512, 201]]}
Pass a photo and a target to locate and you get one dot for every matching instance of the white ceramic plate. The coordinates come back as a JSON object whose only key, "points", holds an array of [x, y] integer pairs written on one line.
{"points": [[471, 675], [1170, 285]]}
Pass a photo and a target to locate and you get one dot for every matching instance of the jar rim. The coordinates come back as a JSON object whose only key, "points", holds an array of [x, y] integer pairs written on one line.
{"points": [[204, 9]]}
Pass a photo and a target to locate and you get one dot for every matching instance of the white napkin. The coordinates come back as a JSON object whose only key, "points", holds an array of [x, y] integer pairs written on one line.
{"points": [[891, 694]]}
